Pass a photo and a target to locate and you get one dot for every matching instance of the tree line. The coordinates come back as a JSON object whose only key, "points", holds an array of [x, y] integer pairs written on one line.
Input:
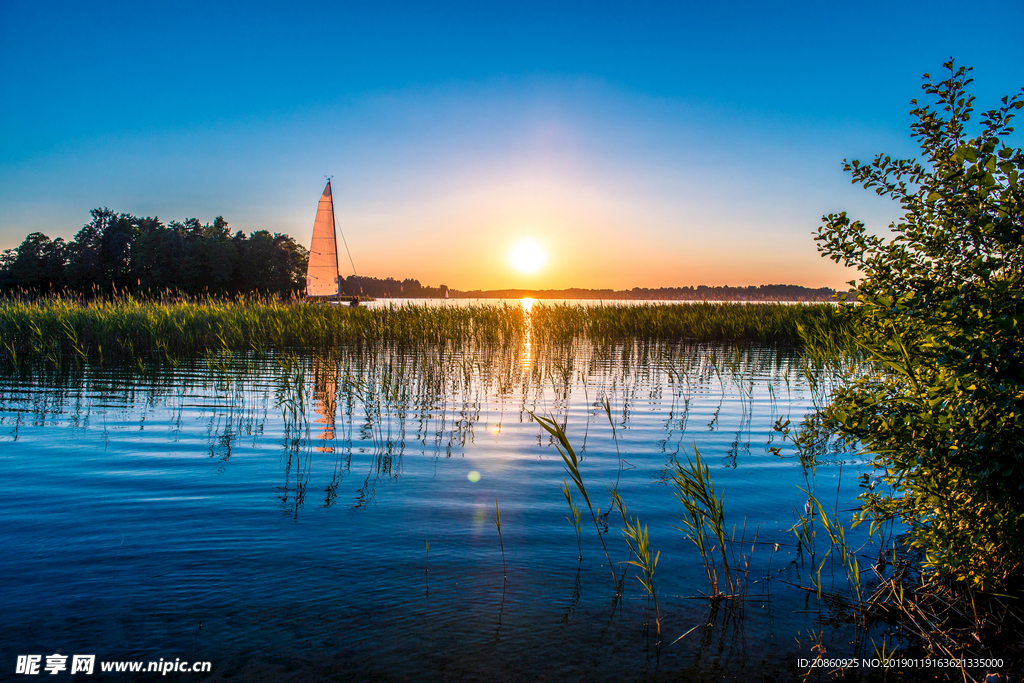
{"points": [[698, 293], [410, 288], [122, 252], [380, 288]]}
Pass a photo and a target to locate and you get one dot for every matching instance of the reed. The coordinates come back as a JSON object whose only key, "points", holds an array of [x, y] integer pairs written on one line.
{"points": [[501, 542], [836, 533], [704, 524], [98, 330], [639, 545], [574, 517], [66, 329], [705, 322], [606, 404], [572, 465]]}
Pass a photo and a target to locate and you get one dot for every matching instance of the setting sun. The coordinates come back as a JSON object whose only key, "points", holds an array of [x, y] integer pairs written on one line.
{"points": [[528, 257]]}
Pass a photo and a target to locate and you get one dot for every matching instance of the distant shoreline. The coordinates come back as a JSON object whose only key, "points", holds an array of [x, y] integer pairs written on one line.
{"points": [[647, 295], [409, 288]]}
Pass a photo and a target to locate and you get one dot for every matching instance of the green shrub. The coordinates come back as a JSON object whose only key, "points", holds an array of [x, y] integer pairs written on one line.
{"points": [[940, 313]]}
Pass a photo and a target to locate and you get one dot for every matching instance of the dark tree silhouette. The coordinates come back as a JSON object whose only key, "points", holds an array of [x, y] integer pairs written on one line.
{"points": [[144, 256]]}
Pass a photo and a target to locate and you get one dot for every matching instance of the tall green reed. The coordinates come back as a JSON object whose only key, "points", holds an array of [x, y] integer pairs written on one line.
{"points": [[572, 465], [574, 517], [704, 524], [640, 546]]}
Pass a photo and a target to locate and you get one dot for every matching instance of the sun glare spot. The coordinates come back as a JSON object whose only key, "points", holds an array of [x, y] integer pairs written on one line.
{"points": [[527, 257]]}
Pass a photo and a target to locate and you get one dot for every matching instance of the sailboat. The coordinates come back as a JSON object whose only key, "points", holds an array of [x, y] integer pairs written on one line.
{"points": [[322, 278]]}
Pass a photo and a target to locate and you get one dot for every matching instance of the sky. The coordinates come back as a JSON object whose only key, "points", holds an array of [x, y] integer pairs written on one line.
{"points": [[636, 144]]}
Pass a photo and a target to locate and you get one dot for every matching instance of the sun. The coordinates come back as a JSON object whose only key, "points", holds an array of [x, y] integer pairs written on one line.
{"points": [[527, 257]]}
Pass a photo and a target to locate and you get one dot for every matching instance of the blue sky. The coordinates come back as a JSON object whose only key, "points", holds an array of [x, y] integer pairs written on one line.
{"points": [[641, 144]]}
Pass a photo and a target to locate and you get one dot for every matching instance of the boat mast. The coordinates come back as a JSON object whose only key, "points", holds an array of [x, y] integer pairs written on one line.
{"points": [[337, 270]]}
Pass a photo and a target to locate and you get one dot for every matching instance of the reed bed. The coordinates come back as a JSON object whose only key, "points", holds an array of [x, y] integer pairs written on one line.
{"points": [[104, 330], [701, 322], [61, 329]]}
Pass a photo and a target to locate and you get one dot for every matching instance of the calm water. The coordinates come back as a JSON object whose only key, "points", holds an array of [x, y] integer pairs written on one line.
{"points": [[272, 514]]}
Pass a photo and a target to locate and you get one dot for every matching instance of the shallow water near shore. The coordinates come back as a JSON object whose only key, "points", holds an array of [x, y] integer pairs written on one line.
{"points": [[272, 513]]}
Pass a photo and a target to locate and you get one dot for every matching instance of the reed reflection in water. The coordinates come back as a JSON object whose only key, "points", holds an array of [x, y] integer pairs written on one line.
{"points": [[287, 499]]}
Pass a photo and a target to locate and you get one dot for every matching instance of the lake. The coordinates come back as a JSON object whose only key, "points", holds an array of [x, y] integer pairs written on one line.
{"points": [[271, 514]]}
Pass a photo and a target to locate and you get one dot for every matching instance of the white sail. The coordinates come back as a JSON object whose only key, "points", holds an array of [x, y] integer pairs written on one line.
{"points": [[322, 272]]}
